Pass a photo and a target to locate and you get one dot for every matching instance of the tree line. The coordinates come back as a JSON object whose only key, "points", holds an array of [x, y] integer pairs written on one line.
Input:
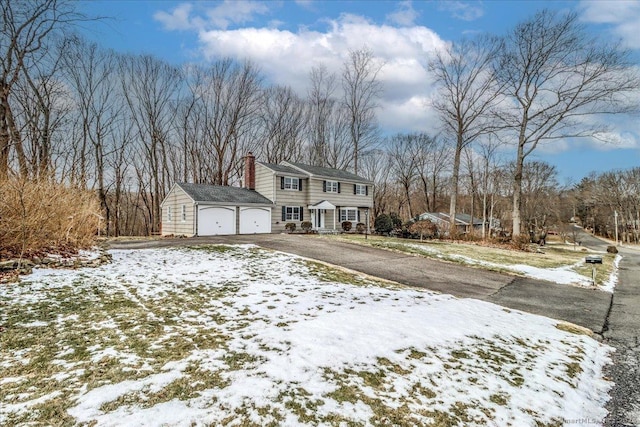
{"points": [[129, 126]]}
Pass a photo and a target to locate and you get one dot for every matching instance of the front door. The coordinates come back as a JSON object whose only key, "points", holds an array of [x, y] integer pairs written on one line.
{"points": [[319, 218]]}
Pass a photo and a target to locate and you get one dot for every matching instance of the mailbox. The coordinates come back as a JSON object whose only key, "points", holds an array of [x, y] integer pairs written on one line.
{"points": [[593, 259]]}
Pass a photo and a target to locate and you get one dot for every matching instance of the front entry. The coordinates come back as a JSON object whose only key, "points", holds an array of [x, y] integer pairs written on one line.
{"points": [[319, 218]]}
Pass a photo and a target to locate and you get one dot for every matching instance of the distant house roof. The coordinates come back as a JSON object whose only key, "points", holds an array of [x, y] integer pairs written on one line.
{"points": [[461, 219], [223, 194], [283, 169], [330, 173]]}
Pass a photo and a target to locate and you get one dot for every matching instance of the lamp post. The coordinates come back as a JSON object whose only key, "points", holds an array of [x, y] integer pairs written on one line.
{"points": [[366, 230]]}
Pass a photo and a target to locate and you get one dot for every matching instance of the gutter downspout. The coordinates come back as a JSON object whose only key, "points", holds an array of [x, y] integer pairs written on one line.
{"points": [[195, 220]]}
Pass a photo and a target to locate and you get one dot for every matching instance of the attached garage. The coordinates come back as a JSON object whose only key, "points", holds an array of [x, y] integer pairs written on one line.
{"points": [[214, 210], [216, 221], [255, 220]]}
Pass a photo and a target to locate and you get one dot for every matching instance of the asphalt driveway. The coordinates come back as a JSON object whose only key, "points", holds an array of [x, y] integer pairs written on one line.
{"points": [[615, 318], [584, 307]]}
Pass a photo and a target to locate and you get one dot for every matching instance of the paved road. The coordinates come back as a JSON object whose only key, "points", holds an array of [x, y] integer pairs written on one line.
{"points": [[623, 332]]}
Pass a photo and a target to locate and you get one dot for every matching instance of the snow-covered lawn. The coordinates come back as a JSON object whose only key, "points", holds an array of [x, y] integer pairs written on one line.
{"points": [[236, 335]]}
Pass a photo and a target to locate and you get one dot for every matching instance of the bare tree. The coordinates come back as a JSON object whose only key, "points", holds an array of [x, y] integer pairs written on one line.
{"points": [[321, 106], [433, 159], [468, 92], [26, 28], [361, 90], [556, 75], [91, 73], [282, 122], [231, 99], [403, 151], [376, 167], [149, 86]]}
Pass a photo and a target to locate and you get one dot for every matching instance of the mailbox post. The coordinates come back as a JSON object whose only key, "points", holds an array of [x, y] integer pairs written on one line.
{"points": [[593, 260]]}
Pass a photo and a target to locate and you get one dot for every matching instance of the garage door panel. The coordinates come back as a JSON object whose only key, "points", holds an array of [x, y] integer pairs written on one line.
{"points": [[255, 220], [215, 221]]}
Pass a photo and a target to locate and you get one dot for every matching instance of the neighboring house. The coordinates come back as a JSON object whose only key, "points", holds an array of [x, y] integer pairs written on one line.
{"points": [[323, 196], [273, 195], [464, 222]]}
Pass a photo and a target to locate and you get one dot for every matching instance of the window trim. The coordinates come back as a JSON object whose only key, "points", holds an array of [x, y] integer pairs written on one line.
{"points": [[183, 213], [294, 215], [332, 187], [169, 217], [361, 190], [294, 183], [345, 211]]}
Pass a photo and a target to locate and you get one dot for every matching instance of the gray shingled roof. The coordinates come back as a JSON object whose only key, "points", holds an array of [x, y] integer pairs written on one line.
{"points": [[223, 194], [283, 169], [330, 173]]}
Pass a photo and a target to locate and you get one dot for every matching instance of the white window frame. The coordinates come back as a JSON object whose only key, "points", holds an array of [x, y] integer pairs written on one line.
{"points": [[292, 213], [183, 213], [331, 187], [291, 183], [169, 217], [361, 190], [345, 214]]}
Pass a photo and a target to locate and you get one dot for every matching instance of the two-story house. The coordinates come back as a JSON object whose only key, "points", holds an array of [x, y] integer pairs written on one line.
{"points": [[323, 196], [273, 195]]}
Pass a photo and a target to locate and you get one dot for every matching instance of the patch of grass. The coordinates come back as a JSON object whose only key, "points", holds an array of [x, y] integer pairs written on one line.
{"points": [[573, 369], [574, 329], [237, 361], [499, 399]]}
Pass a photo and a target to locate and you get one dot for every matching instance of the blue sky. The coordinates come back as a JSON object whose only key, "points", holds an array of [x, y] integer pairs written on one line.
{"points": [[287, 38]]}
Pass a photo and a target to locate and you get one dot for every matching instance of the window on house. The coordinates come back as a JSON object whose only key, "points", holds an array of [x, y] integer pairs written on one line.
{"points": [[349, 214], [360, 190], [291, 183], [331, 186], [293, 213], [184, 213], [169, 217]]}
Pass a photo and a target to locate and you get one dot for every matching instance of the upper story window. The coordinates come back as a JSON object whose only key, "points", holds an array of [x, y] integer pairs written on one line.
{"points": [[360, 190], [331, 186], [169, 216], [290, 183], [184, 213]]}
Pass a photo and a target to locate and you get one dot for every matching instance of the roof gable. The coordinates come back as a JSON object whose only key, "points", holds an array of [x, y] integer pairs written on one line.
{"points": [[222, 194], [330, 173], [282, 169]]}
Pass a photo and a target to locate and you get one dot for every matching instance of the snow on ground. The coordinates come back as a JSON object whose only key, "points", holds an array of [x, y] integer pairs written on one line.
{"points": [[233, 335]]}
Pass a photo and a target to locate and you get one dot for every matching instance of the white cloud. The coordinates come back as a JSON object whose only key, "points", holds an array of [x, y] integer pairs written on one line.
{"points": [[287, 57], [178, 19], [405, 16], [466, 11], [222, 16], [623, 15]]}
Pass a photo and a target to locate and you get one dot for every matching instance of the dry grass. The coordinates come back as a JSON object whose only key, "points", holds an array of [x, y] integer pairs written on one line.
{"points": [[475, 254], [40, 215]]}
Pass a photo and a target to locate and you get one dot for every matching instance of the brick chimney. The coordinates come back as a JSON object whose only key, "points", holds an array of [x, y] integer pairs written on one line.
{"points": [[250, 171]]}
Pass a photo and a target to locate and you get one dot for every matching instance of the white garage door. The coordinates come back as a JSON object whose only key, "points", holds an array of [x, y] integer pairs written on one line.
{"points": [[255, 220], [213, 221]]}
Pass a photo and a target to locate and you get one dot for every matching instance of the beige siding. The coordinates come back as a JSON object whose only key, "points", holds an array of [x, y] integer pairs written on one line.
{"points": [[345, 198], [177, 226], [265, 180], [289, 198]]}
